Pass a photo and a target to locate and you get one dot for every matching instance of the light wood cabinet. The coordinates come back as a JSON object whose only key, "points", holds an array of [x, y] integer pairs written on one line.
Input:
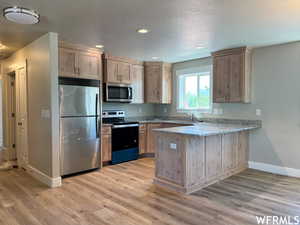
{"points": [[67, 62], [119, 70], [142, 138], [231, 75], [151, 137], [137, 84], [196, 162], [106, 144], [158, 82], [79, 62]]}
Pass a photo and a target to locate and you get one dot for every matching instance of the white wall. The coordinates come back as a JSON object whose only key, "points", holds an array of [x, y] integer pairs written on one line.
{"points": [[276, 91], [43, 133]]}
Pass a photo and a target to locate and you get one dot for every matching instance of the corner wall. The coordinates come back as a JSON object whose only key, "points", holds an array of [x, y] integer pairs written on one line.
{"points": [[276, 91]]}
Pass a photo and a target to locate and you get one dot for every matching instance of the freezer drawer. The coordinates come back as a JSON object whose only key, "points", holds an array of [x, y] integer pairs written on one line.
{"points": [[80, 144]]}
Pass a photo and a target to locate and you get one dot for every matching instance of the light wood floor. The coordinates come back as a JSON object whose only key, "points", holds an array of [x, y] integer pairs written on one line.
{"points": [[124, 194]]}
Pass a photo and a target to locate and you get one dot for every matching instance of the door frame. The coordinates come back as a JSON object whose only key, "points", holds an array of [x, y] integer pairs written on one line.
{"points": [[10, 129]]}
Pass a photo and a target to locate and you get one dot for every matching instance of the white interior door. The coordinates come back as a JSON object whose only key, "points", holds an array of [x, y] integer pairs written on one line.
{"points": [[21, 117]]}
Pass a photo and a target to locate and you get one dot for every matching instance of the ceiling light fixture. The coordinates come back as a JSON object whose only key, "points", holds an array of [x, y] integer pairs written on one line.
{"points": [[99, 46], [21, 15], [200, 47], [155, 57], [142, 30]]}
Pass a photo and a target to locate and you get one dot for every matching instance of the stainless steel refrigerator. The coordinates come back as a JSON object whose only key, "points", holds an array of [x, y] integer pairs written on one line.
{"points": [[79, 125]]}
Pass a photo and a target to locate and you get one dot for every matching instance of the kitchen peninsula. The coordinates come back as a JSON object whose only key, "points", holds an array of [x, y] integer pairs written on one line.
{"points": [[192, 157]]}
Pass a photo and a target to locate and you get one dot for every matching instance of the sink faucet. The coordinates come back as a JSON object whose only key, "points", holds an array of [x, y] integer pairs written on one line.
{"points": [[191, 116]]}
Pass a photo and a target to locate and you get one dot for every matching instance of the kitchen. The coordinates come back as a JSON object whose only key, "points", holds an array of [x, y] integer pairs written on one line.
{"points": [[122, 138]]}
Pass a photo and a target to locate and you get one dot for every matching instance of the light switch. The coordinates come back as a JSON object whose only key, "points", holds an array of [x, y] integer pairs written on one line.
{"points": [[165, 110], [140, 110], [173, 146], [258, 112]]}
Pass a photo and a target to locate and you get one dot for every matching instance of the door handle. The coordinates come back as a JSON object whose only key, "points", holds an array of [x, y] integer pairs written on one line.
{"points": [[20, 124]]}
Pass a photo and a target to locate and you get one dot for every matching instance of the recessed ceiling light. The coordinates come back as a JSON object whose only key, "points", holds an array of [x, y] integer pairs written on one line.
{"points": [[21, 15], [200, 47], [99, 46], [155, 57], [142, 30]]}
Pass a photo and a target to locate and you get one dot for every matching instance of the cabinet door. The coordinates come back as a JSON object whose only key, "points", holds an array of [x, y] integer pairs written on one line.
{"points": [[88, 65], [229, 151], [67, 63], [236, 78], [150, 137], [112, 72], [243, 149], [153, 83], [213, 157], [106, 147], [124, 72], [137, 84], [142, 142], [221, 74], [166, 97]]}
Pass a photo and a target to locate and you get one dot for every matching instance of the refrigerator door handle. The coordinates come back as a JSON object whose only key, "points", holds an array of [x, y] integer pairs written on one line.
{"points": [[96, 119]]}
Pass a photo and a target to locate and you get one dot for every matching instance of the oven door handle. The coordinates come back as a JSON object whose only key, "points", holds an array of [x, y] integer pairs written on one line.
{"points": [[124, 126]]}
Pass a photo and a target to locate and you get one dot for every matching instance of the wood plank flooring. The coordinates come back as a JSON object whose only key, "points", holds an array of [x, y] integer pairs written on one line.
{"points": [[124, 195]]}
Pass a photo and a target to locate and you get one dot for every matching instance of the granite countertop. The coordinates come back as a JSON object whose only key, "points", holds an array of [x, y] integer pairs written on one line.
{"points": [[208, 129]]}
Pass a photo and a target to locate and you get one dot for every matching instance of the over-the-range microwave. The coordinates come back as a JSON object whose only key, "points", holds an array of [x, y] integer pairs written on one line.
{"points": [[117, 93]]}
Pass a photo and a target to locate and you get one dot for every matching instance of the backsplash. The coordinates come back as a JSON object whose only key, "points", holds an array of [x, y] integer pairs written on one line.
{"points": [[132, 110]]}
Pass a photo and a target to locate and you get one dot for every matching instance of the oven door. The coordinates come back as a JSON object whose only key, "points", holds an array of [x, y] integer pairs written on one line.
{"points": [[125, 137], [118, 93]]}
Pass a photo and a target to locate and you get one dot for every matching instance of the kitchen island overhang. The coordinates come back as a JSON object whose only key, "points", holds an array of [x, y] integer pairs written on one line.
{"points": [[190, 158]]}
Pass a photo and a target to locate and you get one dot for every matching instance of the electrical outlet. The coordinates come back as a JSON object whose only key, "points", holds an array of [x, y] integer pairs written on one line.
{"points": [[140, 110], [220, 111], [258, 112], [173, 146], [215, 111], [165, 110]]}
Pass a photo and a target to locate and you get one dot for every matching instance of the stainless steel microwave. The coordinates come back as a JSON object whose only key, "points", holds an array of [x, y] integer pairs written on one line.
{"points": [[117, 93]]}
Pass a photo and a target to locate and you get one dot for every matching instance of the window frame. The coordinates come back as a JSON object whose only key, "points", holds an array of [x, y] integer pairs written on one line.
{"points": [[204, 70]]}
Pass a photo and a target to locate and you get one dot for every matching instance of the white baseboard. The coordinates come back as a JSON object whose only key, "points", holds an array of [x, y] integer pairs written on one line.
{"points": [[286, 171], [45, 179]]}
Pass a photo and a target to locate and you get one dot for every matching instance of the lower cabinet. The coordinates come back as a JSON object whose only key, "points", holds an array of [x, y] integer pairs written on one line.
{"points": [[151, 143], [106, 144], [142, 138]]}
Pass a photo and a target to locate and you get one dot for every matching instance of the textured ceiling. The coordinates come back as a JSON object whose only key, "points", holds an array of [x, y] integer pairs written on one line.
{"points": [[177, 26]]}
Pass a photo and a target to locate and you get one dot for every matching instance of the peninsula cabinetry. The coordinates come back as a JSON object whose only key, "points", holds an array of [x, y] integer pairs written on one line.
{"points": [[187, 163], [158, 82], [231, 75], [79, 62]]}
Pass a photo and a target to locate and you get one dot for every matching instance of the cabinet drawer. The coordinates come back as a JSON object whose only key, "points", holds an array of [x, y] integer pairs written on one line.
{"points": [[106, 129]]}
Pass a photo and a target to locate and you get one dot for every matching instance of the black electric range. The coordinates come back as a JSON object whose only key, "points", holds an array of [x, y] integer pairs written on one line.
{"points": [[124, 137]]}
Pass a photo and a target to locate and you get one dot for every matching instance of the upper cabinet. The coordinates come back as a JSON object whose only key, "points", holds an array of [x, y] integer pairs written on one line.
{"points": [[231, 75], [79, 62], [137, 83], [118, 70], [158, 82]]}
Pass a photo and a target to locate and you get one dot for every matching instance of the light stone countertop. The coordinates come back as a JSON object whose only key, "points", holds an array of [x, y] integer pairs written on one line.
{"points": [[207, 129]]}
